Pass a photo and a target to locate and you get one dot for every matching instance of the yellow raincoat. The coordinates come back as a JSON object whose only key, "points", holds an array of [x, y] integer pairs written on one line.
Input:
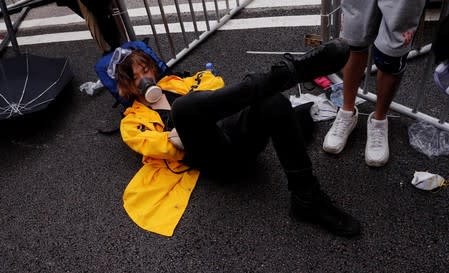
{"points": [[157, 196]]}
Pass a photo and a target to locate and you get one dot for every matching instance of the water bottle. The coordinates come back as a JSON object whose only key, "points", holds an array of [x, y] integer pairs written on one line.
{"points": [[336, 95], [210, 67]]}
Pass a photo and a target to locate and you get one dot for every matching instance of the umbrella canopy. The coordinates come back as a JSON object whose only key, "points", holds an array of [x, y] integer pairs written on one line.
{"points": [[29, 83]]}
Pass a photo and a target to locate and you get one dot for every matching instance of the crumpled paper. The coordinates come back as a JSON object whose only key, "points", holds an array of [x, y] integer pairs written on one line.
{"points": [[91, 88], [322, 108], [428, 181]]}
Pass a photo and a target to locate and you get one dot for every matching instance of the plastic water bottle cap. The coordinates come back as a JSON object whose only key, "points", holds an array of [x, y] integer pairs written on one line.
{"points": [[209, 66]]}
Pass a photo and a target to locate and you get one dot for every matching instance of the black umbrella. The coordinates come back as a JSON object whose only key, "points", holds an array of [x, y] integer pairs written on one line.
{"points": [[29, 83]]}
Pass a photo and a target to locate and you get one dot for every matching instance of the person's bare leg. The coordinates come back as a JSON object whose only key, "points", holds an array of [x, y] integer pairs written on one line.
{"points": [[377, 148], [346, 119], [386, 86], [352, 77]]}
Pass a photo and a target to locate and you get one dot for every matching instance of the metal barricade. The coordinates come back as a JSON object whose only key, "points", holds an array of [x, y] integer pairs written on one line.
{"points": [[330, 19], [202, 17], [22, 7], [121, 18], [330, 25], [11, 34]]}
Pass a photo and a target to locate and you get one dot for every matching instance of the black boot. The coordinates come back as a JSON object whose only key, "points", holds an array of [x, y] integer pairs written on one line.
{"points": [[323, 60], [314, 206]]}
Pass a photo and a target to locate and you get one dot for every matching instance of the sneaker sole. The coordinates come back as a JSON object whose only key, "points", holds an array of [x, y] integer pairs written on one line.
{"points": [[374, 163], [333, 151], [377, 163]]}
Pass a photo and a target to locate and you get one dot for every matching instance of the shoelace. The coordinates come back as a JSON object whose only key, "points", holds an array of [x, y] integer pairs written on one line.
{"points": [[377, 138], [340, 127]]}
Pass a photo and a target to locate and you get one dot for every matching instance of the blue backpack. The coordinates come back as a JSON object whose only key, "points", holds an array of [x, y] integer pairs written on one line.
{"points": [[102, 65]]}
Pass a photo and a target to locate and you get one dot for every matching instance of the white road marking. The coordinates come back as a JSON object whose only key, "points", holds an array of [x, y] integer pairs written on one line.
{"points": [[233, 24], [169, 9]]}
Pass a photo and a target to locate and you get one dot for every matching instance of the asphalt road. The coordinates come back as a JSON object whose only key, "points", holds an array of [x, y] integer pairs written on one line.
{"points": [[61, 184]]}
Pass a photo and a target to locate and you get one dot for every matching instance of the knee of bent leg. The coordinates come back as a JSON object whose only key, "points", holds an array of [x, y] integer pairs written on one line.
{"points": [[389, 64], [276, 106], [182, 108]]}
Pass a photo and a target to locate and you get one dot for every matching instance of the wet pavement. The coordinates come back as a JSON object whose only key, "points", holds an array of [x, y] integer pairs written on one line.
{"points": [[61, 185]]}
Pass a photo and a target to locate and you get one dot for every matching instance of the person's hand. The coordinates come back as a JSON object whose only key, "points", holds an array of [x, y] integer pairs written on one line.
{"points": [[175, 140]]}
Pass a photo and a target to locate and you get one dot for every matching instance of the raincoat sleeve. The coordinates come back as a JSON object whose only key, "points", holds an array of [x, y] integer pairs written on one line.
{"points": [[142, 131]]}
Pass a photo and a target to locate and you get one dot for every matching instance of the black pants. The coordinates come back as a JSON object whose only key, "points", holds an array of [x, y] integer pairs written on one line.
{"points": [[223, 129]]}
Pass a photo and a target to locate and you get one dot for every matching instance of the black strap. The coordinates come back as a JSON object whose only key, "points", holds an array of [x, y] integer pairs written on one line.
{"points": [[183, 171], [110, 132]]}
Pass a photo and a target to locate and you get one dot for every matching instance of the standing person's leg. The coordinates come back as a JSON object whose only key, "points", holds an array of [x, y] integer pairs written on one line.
{"points": [[353, 74], [396, 33], [386, 86], [360, 21]]}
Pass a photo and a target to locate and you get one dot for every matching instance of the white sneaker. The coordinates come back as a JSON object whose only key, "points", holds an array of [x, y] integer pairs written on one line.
{"points": [[376, 151], [336, 138]]}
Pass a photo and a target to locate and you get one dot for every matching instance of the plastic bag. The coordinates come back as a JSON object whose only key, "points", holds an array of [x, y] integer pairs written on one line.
{"points": [[91, 88], [441, 77], [322, 108], [336, 95], [428, 139]]}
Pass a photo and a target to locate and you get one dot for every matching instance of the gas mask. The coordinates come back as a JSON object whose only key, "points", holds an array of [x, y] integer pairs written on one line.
{"points": [[150, 90]]}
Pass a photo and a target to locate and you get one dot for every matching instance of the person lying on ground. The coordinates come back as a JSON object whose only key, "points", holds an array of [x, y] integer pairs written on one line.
{"points": [[181, 133]]}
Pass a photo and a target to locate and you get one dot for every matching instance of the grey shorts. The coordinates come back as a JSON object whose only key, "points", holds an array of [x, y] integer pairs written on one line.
{"points": [[390, 24]]}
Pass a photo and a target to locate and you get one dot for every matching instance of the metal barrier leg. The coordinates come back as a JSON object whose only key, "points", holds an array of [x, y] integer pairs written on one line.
{"points": [[181, 23], [444, 113], [330, 19], [124, 26], [192, 13], [325, 9], [336, 19], [167, 30], [206, 34], [206, 17], [153, 29], [9, 27], [211, 26]]}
